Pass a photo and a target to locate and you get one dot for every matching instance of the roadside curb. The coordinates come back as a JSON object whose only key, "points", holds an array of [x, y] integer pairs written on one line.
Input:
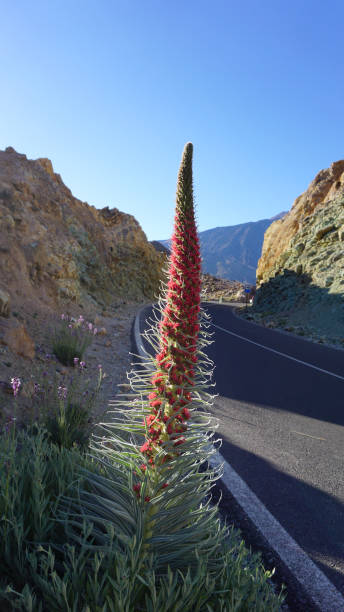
{"points": [[321, 594]]}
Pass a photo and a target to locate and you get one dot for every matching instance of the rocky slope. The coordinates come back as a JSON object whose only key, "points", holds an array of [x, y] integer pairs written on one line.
{"points": [[232, 252], [300, 275], [214, 288], [60, 255], [56, 249]]}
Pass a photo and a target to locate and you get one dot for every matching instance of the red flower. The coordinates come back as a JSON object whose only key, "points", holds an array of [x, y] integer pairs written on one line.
{"points": [[179, 325], [186, 413], [150, 419]]}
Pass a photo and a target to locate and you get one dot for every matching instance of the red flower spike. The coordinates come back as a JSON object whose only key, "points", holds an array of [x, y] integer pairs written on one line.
{"points": [[179, 323]]}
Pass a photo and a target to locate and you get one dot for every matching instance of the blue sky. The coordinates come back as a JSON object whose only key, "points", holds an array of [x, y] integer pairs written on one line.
{"points": [[110, 91]]}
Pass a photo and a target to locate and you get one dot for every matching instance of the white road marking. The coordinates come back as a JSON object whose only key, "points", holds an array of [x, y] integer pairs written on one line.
{"points": [[267, 348], [318, 587], [308, 435]]}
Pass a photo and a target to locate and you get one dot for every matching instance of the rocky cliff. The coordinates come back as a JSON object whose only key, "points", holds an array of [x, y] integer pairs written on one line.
{"points": [[301, 270], [309, 237], [55, 249]]}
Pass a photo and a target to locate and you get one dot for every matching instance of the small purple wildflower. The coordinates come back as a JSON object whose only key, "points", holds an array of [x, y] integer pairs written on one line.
{"points": [[62, 392], [82, 364], [99, 366], [44, 373], [76, 360], [95, 331], [63, 317], [15, 382], [7, 427], [90, 326], [70, 326]]}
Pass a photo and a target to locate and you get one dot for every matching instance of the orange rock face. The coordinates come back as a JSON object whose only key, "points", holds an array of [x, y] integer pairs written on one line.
{"points": [[15, 336], [56, 250], [327, 186]]}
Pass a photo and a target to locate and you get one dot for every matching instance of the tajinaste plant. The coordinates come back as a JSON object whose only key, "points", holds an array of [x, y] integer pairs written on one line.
{"points": [[174, 378], [159, 438]]}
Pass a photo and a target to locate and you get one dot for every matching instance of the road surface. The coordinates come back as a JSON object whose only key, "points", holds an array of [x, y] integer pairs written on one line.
{"points": [[281, 409]]}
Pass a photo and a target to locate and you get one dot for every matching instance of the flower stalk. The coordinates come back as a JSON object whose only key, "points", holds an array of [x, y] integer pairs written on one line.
{"points": [[173, 380]]}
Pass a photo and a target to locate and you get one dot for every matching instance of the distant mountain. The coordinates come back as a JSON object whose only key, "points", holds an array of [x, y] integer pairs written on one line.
{"points": [[232, 252], [160, 247]]}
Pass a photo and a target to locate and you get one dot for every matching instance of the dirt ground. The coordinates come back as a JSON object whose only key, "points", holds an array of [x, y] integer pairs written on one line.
{"points": [[110, 349]]}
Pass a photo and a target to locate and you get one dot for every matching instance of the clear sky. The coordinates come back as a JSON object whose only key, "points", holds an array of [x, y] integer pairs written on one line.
{"points": [[111, 90]]}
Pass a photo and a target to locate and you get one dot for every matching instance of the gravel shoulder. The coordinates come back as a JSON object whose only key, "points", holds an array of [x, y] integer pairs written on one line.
{"points": [[296, 324]]}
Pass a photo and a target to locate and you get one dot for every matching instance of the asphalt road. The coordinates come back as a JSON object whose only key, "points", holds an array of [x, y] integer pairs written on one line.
{"points": [[282, 425]]}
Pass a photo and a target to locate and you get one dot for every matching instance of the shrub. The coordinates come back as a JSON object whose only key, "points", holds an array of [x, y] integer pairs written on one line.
{"points": [[33, 475], [71, 338], [65, 406]]}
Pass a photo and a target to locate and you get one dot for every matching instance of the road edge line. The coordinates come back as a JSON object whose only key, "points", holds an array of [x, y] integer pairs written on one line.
{"points": [[316, 585]]}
